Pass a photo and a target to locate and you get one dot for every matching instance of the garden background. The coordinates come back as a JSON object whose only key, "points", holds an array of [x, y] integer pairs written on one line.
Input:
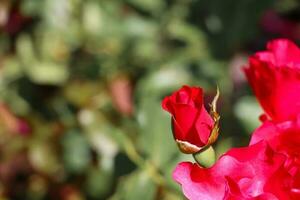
{"points": [[81, 84]]}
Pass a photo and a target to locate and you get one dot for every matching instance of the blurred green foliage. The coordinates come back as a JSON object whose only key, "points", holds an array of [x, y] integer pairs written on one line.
{"points": [[81, 83]]}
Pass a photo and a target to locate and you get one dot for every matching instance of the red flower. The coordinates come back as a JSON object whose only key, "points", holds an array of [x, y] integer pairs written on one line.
{"points": [[274, 75], [191, 123], [284, 138], [241, 173], [269, 168]]}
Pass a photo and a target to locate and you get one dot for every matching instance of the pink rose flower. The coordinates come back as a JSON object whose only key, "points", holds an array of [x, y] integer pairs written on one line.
{"points": [[284, 138], [241, 173]]}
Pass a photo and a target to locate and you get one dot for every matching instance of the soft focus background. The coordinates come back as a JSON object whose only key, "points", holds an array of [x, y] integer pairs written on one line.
{"points": [[81, 83]]}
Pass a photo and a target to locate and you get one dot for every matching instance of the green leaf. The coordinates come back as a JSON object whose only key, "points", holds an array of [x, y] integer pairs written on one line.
{"points": [[92, 18], [32, 7], [47, 73], [149, 5], [170, 77], [248, 111], [25, 49], [136, 186], [156, 137], [76, 152], [98, 183], [43, 158]]}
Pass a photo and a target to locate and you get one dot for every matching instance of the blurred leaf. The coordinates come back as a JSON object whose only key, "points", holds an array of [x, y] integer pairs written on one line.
{"points": [[76, 152], [105, 146], [32, 7], [168, 78], [92, 18], [229, 23], [54, 49], [156, 137], [248, 111], [223, 145], [16, 102], [43, 158], [25, 49], [136, 186], [11, 71], [286, 5], [196, 47], [81, 93], [149, 5], [172, 196], [98, 183], [57, 13], [47, 73], [137, 26]]}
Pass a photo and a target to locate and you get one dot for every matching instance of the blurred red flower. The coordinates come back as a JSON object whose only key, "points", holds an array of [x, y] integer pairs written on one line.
{"points": [[271, 22]]}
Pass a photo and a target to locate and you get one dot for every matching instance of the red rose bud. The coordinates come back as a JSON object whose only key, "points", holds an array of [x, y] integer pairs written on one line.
{"points": [[274, 76], [193, 127]]}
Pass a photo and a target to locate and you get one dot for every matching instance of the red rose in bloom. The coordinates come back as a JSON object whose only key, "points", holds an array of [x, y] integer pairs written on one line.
{"points": [[240, 174], [284, 138], [274, 75], [191, 123]]}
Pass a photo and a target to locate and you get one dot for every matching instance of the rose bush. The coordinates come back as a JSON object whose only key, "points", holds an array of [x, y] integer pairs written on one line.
{"points": [[269, 168]]}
